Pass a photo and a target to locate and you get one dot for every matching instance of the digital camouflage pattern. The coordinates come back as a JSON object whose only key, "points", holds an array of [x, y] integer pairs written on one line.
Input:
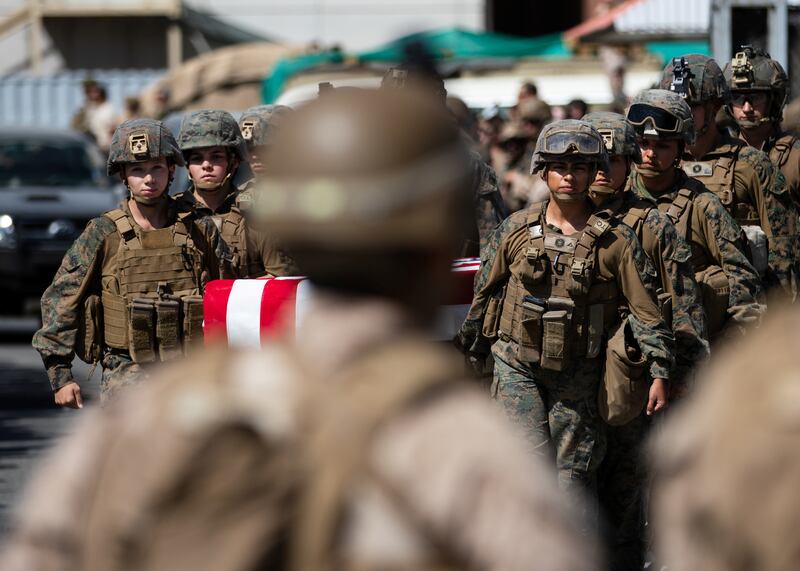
{"points": [[704, 81], [558, 411], [211, 128], [673, 104], [489, 207], [89, 267], [752, 69], [761, 188], [674, 275], [784, 152], [716, 239], [618, 135], [140, 140]]}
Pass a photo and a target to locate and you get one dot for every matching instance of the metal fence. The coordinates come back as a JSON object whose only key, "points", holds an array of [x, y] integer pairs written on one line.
{"points": [[52, 100]]}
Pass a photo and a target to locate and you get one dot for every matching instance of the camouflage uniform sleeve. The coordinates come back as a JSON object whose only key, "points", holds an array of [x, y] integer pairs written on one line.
{"points": [[490, 210], [725, 242], [648, 327], [492, 274], [677, 275], [776, 211], [217, 262], [62, 302]]}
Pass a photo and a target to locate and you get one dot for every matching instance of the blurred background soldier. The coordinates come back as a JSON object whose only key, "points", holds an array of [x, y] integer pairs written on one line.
{"points": [[129, 290], [97, 117], [725, 467], [751, 189], [519, 188], [258, 125], [489, 208], [759, 92], [622, 474], [550, 291], [354, 447], [729, 284], [213, 148]]}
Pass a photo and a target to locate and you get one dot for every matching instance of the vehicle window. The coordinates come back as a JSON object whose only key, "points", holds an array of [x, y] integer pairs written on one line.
{"points": [[45, 163]]}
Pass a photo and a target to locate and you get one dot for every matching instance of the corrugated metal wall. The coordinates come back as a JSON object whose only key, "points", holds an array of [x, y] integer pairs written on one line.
{"points": [[52, 100]]}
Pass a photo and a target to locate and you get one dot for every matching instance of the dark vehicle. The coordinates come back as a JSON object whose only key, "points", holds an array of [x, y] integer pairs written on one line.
{"points": [[51, 184]]}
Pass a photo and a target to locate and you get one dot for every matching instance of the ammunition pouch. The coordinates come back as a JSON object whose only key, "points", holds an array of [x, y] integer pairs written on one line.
{"points": [[758, 248], [141, 330], [115, 320], [491, 321], [192, 321], [716, 292], [556, 328], [89, 339], [529, 332], [625, 387], [168, 328]]}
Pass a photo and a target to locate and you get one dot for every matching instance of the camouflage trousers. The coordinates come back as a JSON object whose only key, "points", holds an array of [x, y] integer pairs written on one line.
{"points": [[558, 413], [621, 488], [119, 373]]}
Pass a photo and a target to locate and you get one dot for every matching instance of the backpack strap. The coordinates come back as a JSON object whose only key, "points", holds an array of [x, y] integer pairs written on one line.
{"points": [[783, 148], [342, 417]]}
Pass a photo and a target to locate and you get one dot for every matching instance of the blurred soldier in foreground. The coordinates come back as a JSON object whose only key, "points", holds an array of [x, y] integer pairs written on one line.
{"points": [[759, 92], [489, 209], [622, 474], [213, 148], [725, 467], [555, 283], [729, 284], [751, 189], [354, 447], [129, 291]]}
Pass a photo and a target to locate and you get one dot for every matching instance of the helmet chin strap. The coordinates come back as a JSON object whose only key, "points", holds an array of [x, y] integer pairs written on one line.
{"points": [[570, 196]]}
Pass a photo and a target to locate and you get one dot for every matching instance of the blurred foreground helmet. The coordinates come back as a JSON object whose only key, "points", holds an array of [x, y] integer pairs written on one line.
{"points": [[361, 174], [618, 135], [752, 70], [569, 139], [139, 140], [211, 128], [663, 114], [696, 78]]}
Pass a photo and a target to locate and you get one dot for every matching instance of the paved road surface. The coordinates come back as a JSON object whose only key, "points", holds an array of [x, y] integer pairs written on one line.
{"points": [[29, 421]]}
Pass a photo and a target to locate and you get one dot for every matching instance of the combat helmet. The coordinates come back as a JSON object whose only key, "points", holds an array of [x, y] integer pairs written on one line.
{"points": [[358, 175], [663, 114], [618, 134], [752, 69], [138, 140], [258, 122], [569, 139], [211, 128], [696, 78]]}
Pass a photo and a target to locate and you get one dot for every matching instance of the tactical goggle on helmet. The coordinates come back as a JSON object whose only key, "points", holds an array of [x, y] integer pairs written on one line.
{"points": [[650, 119], [569, 140]]}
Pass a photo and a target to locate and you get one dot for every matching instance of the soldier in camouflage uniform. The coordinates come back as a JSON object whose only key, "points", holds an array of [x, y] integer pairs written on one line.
{"points": [[759, 92], [728, 281], [213, 148], [552, 286], [131, 274], [621, 477], [489, 207], [752, 190], [351, 446]]}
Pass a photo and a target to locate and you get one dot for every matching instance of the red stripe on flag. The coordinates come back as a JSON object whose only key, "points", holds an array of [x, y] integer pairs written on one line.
{"points": [[215, 311], [277, 307]]}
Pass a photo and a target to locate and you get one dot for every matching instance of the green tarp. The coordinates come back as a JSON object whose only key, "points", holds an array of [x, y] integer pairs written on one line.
{"points": [[450, 44], [668, 50]]}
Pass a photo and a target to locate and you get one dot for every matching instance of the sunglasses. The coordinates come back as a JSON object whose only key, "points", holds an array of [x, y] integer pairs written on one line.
{"points": [[752, 97]]}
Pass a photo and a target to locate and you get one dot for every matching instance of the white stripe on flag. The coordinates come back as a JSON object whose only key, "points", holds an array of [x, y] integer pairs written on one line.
{"points": [[304, 295], [243, 314]]}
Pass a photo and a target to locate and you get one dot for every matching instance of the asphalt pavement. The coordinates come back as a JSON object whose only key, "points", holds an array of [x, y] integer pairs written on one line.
{"points": [[29, 420]]}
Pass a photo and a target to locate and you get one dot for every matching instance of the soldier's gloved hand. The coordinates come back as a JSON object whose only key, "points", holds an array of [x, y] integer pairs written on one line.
{"points": [[658, 399], [69, 396]]}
